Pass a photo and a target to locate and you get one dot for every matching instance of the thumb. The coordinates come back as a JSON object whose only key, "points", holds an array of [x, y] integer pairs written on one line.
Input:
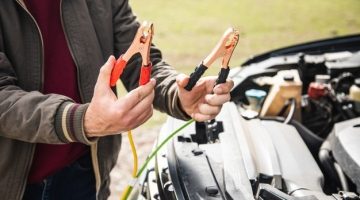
{"points": [[105, 71], [182, 80]]}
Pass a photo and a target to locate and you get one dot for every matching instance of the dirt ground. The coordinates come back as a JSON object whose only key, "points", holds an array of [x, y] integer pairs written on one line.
{"points": [[144, 139]]}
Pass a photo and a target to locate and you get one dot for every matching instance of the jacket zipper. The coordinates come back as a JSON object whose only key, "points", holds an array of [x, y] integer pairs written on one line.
{"points": [[93, 147], [22, 4], [71, 52], [41, 86]]}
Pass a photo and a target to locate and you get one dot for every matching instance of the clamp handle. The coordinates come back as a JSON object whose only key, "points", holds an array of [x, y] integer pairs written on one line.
{"points": [[200, 70], [117, 71], [223, 74], [145, 74], [195, 76]]}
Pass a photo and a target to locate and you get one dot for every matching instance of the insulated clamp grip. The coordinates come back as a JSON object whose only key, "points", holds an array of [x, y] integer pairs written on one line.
{"points": [[117, 71], [145, 74], [195, 76], [223, 74]]}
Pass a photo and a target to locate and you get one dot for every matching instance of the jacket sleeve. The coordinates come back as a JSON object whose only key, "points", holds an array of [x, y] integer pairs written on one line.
{"points": [[31, 116], [166, 94]]}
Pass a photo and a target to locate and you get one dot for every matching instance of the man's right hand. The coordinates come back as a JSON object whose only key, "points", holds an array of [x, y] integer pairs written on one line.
{"points": [[108, 115]]}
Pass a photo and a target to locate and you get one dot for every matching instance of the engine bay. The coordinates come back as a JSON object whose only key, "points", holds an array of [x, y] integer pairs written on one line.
{"points": [[291, 131]]}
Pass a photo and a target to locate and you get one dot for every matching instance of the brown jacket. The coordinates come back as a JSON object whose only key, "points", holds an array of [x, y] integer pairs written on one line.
{"points": [[94, 30]]}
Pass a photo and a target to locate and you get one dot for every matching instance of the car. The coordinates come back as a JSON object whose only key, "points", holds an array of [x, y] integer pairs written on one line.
{"points": [[290, 131]]}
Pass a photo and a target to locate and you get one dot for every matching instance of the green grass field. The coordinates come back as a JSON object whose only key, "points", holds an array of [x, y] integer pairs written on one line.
{"points": [[187, 30]]}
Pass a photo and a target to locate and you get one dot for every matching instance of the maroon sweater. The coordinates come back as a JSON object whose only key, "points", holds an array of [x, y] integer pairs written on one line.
{"points": [[60, 78]]}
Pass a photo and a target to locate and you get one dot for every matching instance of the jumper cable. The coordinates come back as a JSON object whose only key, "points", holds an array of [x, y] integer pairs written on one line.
{"points": [[141, 44], [224, 48]]}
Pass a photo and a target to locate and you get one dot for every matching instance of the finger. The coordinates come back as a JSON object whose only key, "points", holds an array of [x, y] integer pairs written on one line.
{"points": [[217, 100], [142, 106], [135, 96], [102, 86], [224, 88], [141, 119], [105, 71], [202, 117], [182, 80], [209, 110], [147, 115], [210, 82]]}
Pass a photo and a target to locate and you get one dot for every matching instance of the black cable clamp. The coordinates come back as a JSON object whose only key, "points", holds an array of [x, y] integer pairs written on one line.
{"points": [[195, 76]]}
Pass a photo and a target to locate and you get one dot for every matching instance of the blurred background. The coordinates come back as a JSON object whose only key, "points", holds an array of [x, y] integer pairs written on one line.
{"points": [[186, 31]]}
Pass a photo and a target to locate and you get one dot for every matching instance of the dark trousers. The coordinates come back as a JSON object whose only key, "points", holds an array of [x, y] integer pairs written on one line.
{"points": [[76, 181]]}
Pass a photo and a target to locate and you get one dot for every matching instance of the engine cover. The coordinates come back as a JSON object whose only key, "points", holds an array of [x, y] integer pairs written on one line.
{"points": [[345, 142], [240, 158], [270, 149]]}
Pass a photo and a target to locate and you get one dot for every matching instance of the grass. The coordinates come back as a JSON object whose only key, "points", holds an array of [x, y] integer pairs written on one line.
{"points": [[186, 31]]}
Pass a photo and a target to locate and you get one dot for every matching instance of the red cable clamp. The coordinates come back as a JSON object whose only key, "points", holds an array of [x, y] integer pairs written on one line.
{"points": [[141, 44]]}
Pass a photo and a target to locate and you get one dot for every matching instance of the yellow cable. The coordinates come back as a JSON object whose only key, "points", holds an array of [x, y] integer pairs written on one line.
{"points": [[129, 188], [125, 193], [135, 157], [135, 167]]}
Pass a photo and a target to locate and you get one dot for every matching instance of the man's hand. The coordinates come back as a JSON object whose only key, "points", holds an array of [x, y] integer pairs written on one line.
{"points": [[199, 103], [107, 115]]}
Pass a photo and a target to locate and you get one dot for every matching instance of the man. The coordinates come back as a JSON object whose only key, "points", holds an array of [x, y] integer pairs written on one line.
{"points": [[60, 122]]}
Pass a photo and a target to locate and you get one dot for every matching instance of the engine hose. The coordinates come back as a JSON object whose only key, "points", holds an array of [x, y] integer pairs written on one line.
{"points": [[291, 112], [327, 164], [342, 178], [151, 156]]}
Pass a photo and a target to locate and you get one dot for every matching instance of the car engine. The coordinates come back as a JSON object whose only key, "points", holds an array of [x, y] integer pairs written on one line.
{"points": [[291, 131]]}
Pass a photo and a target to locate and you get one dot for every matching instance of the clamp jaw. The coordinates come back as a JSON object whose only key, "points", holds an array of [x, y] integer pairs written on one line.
{"points": [[141, 44], [224, 48]]}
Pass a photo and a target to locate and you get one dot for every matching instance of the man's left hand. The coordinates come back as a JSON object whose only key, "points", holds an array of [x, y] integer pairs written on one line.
{"points": [[200, 103]]}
